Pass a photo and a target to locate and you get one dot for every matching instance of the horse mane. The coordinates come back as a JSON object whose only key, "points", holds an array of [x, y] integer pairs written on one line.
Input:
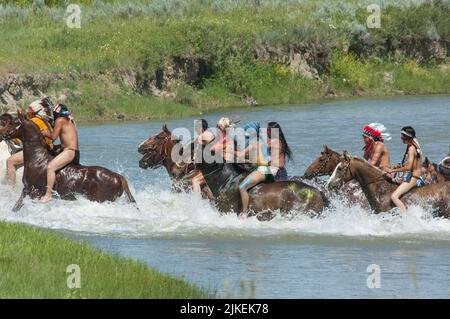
{"points": [[326, 149], [374, 168], [366, 162]]}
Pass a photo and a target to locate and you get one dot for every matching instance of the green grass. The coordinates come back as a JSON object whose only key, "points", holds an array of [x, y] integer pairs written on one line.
{"points": [[33, 264], [145, 35]]}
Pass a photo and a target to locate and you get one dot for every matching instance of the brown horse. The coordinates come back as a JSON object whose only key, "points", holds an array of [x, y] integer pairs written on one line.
{"points": [[96, 183], [224, 179], [155, 154], [324, 165], [378, 187]]}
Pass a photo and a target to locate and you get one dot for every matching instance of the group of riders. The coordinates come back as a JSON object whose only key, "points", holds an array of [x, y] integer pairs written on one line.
{"points": [[54, 121], [272, 151], [264, 168], [267, 168]]}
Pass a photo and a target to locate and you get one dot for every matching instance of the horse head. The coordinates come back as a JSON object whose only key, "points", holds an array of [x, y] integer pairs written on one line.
{"points": [[342, 173], [10, 125], [324, 164], [155, 149]]}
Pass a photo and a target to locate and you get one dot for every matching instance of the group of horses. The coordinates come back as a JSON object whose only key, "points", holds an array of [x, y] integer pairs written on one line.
{"points": [[295, 195], [372, 188]]}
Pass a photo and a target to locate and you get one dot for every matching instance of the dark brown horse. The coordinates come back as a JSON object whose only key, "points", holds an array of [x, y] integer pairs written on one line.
{"points": [[96, 183], [224, 179], [378, 188]]}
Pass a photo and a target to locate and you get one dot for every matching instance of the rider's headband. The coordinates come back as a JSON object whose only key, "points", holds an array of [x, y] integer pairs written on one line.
{"points": [[407, 134]]}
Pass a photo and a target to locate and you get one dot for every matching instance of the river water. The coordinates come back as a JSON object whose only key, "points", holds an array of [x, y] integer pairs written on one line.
{"points": [[300, 257]]}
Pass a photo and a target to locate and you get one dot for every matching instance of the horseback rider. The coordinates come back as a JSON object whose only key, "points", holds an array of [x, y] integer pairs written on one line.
{"points": [[40, 113], [258, 153], [66, 130], [375, 151], [279, 150], [224, 143], [199, 184], [411, 163]]}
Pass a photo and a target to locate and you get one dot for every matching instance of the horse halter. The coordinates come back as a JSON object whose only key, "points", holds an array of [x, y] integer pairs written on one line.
{"points": [[322, 165], [162, 148], [8, 136]]}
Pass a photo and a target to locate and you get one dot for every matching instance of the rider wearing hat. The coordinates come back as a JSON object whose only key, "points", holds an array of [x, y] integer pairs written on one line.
{"points": [[40, 113], [66, 131], [375, 151]]}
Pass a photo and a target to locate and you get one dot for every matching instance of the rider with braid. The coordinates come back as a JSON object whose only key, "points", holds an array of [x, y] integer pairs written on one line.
{"points": [[413, 166]]}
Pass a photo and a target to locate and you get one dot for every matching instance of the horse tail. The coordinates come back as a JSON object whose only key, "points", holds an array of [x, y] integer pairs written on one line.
{"points": [[126, 189]]}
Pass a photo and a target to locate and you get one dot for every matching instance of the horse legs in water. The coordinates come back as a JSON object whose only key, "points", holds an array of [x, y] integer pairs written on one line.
{"points": [[19, 203], [123, 181], [127, 191]]}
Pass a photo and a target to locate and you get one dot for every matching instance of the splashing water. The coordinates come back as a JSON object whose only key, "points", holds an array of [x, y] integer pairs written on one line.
{"points": [[163, 214]]}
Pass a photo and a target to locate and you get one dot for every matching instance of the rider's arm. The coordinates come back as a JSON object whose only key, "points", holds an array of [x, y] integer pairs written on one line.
{"points": [[205, 138], [376, 154], [247, 153], [408, 167], [53, 136]]}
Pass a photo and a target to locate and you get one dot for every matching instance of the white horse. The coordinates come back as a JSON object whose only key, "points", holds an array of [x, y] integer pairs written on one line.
{"points": [[4, 155]]}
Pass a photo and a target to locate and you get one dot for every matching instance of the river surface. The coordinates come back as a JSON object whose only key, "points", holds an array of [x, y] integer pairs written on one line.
{"points": [[338, 255]]}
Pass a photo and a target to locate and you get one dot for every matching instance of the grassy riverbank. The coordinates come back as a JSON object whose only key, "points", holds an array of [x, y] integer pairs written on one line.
{"points": [[160, 59], [33, 264]]}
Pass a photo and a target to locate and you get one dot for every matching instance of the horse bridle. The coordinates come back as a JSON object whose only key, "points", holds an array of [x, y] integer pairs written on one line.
{"points": [[9, 135], [322, 165], [164, 152], [158, 164]]}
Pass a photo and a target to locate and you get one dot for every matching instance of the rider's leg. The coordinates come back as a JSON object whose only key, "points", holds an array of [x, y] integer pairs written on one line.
{"points": [[64, 158], [206, 192], [250, 181], [403, 189], [11, 165], [197, 180]]}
